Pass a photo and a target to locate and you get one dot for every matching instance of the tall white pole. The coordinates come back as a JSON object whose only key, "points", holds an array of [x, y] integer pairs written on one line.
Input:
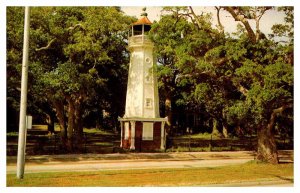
{"points": [[23, 102]]}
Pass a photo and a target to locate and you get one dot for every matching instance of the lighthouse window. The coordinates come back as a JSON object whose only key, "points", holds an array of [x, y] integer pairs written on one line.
{"points": [[147, 131], [148, 60], [148, 79], [148, 103], [149, 76]]}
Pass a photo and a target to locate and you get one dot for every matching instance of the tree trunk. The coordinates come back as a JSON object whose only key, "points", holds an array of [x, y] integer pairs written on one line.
{"points": [[266, 150], [50, 122], [78, 126], [99, 119], [225, 125], [71, 123], [225, 130], [59, 107], [239, 131], [168, 111], [97, 124], [266, 146], [215, 131]]}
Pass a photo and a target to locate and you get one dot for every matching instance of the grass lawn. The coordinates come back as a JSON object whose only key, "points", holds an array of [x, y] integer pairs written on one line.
{"points": [[97, 131], [197, 136], [158, 177]]}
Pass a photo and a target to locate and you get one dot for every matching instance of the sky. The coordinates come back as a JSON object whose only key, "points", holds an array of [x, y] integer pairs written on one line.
{"points": [[270, 18]]}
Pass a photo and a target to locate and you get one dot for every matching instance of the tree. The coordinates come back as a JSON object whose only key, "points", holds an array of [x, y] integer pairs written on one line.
{"points": [[254, 79], [76, 55], [166, 34], [15, 22], [264, 77], [245, 80], [181, 49]]}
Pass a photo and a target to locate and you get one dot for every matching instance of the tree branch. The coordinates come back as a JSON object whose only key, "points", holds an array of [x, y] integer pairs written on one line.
{"points": [[244, 21], [195, 17], [257, 21], [194, 74], [75, 26], [46, 47], [277, 111], [282, 108], [242, 89], [220, 26]]}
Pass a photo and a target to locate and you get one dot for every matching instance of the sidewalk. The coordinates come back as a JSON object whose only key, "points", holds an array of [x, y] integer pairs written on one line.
{"points": [[284, 155], [94, 162], [181, 156]]}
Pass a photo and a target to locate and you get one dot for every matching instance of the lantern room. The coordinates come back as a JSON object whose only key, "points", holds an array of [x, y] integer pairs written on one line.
{"points": [[141, 27]]}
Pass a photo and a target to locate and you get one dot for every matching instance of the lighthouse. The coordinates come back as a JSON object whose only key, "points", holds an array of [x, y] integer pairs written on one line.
{"points": [[142, 128]]}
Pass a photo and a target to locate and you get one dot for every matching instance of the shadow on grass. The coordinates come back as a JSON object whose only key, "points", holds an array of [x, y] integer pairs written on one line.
{"points": [[291, 180]]}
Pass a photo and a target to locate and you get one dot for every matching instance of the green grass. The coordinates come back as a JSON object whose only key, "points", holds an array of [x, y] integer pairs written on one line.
{"points": [[96, 131], [11, 134], [203, 149], [159, 177], [103, 143], [205, 135]]}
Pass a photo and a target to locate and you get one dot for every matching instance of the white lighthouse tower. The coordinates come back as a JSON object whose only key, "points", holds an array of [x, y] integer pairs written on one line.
{"points": [[141, 127], [142, 91]]}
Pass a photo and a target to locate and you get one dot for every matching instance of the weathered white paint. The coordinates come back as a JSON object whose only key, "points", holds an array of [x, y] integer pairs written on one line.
{"points": [[121, 145], [126, 125], [162, 136], [147, 131], [142, 81], [132, 138]]}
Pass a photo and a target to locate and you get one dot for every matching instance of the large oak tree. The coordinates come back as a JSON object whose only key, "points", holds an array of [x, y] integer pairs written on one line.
{"points": [[245, 80], [78, 63]]}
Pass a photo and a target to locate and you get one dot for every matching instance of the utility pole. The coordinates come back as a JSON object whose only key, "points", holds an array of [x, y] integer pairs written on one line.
{"points": [[23, 102]]}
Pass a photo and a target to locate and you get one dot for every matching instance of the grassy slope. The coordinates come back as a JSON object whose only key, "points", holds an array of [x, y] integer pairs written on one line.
{"points": [[158, 177]]}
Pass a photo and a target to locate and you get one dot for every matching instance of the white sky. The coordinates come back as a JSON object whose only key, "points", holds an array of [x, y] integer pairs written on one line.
{"points": [[154, 12]]}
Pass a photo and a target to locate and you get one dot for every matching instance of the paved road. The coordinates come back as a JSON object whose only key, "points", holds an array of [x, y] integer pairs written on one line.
{"points": [[124, 165], [94, 162]]}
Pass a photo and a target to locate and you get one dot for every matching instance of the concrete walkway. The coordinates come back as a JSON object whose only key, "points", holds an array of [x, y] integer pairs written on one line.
{"points": [[94, 162], [123, 165]]}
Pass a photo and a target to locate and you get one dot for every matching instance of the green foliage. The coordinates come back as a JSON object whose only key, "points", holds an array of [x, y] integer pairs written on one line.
{"points": [[237, 113], [77, 54], [234, 79], [202, 92], [286, 29]]}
